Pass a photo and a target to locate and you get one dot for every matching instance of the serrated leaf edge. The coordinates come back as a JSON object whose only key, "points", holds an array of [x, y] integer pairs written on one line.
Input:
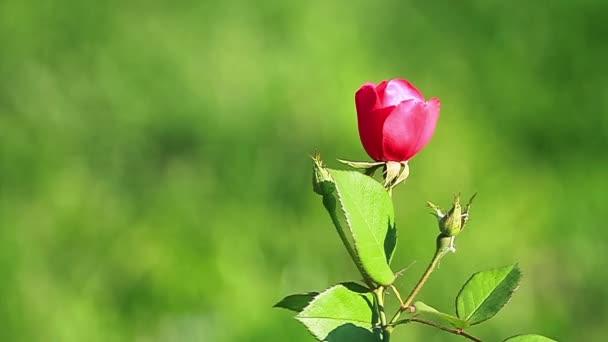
{"points": [[349, 243], [524, 335], [515, 268], [301, 319], [314, 294], [348, 223]]}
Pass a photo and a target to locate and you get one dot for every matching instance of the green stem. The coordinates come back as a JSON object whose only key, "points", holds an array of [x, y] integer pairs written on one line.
{"points": [[424, 279], [386, 333], [439, 253]]}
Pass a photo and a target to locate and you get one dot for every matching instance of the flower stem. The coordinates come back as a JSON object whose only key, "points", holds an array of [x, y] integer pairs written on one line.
{"points": [[424, 279], [451, 331], [439, 253]]}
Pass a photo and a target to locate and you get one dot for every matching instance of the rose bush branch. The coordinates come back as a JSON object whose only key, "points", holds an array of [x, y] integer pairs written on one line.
{"points": [[395, 123], [439, 253]]}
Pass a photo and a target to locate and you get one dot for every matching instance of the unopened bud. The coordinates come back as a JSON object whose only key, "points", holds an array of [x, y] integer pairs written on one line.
{"points": [[454, 221], [451, 224]]}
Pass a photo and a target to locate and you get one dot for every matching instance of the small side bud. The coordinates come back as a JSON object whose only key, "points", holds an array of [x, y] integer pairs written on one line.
{"points": [[454, 221], [322, 183], [445, 244], [438, 212], [451, 224]]}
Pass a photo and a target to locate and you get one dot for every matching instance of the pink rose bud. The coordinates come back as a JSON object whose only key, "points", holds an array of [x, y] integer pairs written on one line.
{"points": [[395, 121]]}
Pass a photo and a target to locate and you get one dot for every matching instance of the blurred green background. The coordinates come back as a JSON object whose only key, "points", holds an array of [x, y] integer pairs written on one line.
{"points": [[155, 179]]}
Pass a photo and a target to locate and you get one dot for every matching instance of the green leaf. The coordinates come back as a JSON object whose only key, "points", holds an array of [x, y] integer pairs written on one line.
{"points": [[485, 293], [296, 302], [342, 313], [427, 312], [368, 211], [390, 243], [529, 338]]}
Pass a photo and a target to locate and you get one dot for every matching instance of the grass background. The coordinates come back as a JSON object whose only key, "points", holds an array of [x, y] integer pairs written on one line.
{"points": [[155, 179]]}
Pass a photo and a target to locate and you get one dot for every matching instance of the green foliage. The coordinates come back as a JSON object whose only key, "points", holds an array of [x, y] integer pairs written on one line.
{"points": [[296, 302], [367, 210], [154, 184], [390, 243], [529, 338], [341, 313], [485, 293]]}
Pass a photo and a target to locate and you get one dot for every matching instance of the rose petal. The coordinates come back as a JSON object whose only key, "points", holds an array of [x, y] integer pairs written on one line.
{"points": [[408, 129], [395, 91], [366, 98], [432, 108], [370, 130]]}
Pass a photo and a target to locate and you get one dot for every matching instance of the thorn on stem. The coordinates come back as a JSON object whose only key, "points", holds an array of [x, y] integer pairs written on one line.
{"points": [[409, 308]]}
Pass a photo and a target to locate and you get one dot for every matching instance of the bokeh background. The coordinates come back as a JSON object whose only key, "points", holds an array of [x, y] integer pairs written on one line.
{"points": [[155, 179]]}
